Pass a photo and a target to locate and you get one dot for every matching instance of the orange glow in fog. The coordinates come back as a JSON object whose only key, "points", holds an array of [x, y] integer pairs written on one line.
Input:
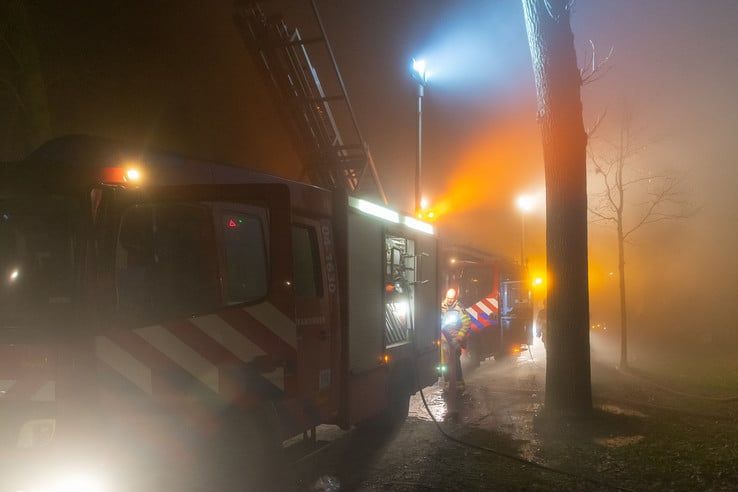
{"points": [[493, 167]]}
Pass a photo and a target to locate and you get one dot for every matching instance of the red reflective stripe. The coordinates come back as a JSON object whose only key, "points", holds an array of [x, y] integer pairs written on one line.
{"points": [[148, 355], [489, 305], [264, 338], [202, 343], [229, 388], [158, 362]]}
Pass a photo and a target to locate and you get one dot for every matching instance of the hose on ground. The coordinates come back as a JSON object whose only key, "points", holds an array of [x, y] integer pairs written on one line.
{"points": [[512, 457]]}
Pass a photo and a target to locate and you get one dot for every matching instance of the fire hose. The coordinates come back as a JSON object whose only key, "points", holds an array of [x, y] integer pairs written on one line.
{"points": [[512, 457], [496, 452]]}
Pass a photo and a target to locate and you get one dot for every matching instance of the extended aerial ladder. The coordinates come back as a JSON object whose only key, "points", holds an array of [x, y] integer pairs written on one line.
{"points": [[323, 126]]}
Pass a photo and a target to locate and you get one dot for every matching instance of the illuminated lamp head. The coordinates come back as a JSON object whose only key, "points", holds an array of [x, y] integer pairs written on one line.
{"points": [[420, 71], [133, 175], [126, 173], [133, 172]]}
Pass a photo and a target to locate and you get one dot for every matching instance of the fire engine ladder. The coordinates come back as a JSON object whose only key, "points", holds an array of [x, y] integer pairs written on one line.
{"points": [[332, 149]]}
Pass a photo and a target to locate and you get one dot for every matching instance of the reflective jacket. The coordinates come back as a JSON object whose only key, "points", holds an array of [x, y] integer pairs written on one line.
{"points": [[454, 321]]}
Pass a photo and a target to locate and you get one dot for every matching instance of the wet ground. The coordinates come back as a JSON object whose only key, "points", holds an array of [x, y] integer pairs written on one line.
{"points": [[640, 438]]}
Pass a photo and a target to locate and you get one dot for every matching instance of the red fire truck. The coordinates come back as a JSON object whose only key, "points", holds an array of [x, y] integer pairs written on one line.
{"points": [[153, 307], [496, 296]]}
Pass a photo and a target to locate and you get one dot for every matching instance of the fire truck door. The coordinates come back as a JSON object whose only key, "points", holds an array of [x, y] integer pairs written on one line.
{"points": [[313, 265], [237, 335]]}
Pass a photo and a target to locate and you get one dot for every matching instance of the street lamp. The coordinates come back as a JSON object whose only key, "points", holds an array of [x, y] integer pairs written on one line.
{"points": [[525, 204], [420, 75]]}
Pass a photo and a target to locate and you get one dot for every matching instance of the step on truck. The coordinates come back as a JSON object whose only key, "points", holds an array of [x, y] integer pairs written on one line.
{"points": [[161, 315]]}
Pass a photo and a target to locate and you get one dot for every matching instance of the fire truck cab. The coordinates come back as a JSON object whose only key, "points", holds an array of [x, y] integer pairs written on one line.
{"points": [[150, 301]]}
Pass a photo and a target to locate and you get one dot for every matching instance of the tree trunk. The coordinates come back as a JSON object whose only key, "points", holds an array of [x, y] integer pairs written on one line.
{"points": [[568, 382], [623, 311]]}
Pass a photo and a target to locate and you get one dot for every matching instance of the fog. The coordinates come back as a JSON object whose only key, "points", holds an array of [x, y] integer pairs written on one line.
{"points": [[180, 78]]}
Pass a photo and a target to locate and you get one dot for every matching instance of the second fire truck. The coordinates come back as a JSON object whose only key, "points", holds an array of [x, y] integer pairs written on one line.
{"points": [[496, 296]]}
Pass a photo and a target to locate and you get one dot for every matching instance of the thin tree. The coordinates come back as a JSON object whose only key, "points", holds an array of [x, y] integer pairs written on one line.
{"points": [[558, 83], [631, 199]]}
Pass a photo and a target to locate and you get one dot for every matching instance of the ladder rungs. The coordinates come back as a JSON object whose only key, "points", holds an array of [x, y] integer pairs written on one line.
{"points": [[328, 98], [304, 42], [348, 147]]}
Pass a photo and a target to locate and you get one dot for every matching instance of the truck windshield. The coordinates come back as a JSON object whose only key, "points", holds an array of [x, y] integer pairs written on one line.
{"points": [[36, 258]]}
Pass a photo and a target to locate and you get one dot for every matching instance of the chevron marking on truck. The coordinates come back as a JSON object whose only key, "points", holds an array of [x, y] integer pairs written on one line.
{"points": [[480, 312], [166, 380], [238, 354], [271, 317], [124, 363], [266, 334], [223, 333], [182, 354]]}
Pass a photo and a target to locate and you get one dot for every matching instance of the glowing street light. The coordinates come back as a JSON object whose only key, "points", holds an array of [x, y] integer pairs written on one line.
{"points": [[525, 203], [420, 71], [420, 75]]}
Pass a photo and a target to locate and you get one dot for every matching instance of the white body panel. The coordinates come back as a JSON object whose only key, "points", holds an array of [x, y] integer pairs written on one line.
{"points": [[366, 297], [366, 294]]}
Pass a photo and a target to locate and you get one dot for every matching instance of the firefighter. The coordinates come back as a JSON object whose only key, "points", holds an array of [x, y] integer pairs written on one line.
{"points": [[454, 327]]}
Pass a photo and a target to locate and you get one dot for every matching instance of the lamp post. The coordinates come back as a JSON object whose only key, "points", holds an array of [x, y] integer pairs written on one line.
{"points": [[525, 204], [420, 75]]}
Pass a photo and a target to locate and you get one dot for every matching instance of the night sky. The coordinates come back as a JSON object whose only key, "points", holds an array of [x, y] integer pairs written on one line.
{"points": [[175, 75]]}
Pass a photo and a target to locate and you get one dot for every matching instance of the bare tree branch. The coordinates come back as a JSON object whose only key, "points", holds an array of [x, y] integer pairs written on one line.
{"points": [[600, 216], [595, 70], [605, 173], [596, 124]]}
